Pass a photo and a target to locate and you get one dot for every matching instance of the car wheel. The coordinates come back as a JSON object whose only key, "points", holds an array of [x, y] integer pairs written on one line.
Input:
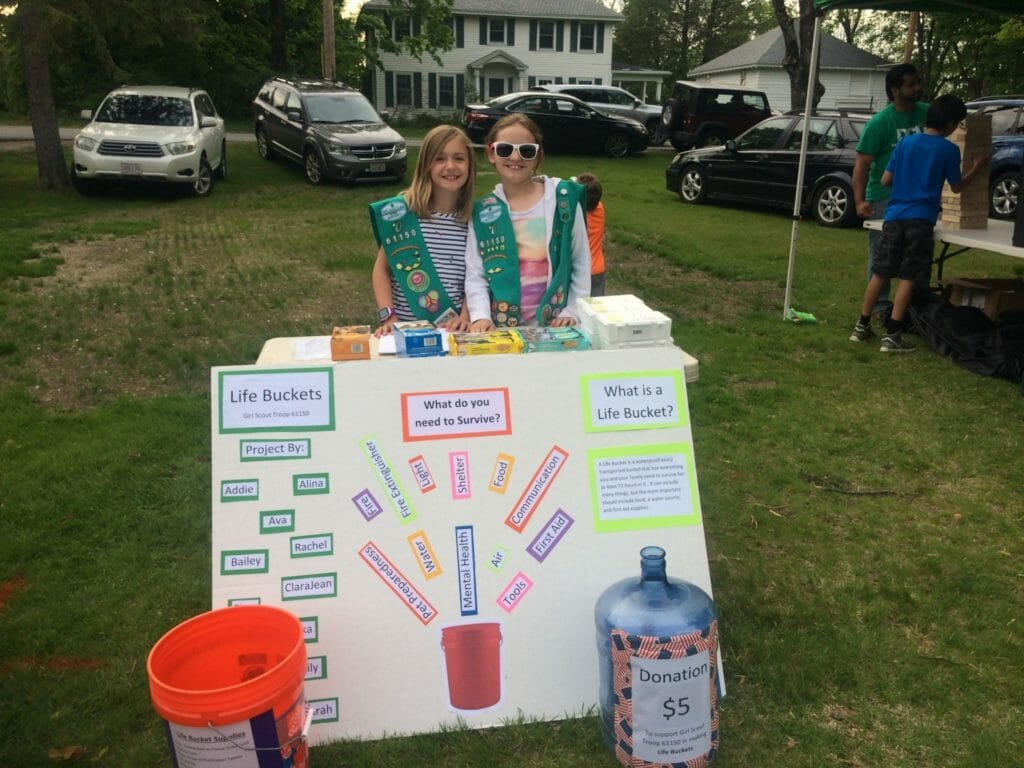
{"points": [[222, 170], [314, 168], [713, 139], [617, 145], [1004, 195], [832, 204], [692, 185], [84, 187], [203, 185], [678, 145], [263, 144], [671, 114], [656, 133]]}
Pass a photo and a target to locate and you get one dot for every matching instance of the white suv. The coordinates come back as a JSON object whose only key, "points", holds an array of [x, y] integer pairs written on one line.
{"points": [[616, 101], [151, 134]]}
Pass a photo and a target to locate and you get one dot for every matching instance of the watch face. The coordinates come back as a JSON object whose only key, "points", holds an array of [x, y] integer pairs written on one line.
{"points": [[384, 313]]}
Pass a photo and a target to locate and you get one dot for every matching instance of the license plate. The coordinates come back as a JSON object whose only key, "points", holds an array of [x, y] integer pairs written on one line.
{"points": [[377, 167], [131, 169]]}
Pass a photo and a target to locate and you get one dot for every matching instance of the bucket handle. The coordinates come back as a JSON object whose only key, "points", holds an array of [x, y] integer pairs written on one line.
{"points": [[302, 736]]}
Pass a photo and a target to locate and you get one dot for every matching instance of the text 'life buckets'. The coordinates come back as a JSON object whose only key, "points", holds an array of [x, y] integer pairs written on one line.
{"points": [[229, 685]]}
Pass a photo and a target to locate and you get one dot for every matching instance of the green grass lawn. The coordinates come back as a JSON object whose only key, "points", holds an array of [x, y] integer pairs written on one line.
{"points": [[863, 514]]}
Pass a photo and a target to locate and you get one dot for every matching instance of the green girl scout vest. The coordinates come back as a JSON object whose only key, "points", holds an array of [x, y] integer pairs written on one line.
{"points": [[397, 230], [497, 242]]}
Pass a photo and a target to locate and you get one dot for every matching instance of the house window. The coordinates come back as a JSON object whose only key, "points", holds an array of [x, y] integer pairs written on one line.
{"points": [[587, 37], [403, 90], [546, 36], [496, 31], [446, 90], [401, 29], [545, 81]]}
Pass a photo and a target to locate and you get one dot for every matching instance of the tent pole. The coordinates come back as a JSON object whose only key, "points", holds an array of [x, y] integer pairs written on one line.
{"points": [[812, 80]]}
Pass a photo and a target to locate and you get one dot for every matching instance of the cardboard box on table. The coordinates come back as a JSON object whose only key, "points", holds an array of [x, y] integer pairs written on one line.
{"points": [[384, 501]]}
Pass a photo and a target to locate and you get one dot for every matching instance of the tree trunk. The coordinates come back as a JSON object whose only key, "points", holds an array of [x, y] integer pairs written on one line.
{"points": [[278, 50], [797, 57], [35, 38]]}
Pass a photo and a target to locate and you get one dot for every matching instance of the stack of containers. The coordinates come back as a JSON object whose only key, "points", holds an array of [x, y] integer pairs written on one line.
{"points": [[625, 322], [614, 322]]}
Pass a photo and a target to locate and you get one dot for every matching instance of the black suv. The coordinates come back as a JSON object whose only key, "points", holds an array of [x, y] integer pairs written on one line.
{"points": [[328, 127], [707, 114], [1007, 151]]}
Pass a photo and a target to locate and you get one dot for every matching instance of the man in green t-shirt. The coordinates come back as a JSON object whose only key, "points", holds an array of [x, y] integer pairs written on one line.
{"points": [[904, 114]]}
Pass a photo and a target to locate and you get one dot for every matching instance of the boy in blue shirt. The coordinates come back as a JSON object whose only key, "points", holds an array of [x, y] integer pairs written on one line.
{"points": [[919, 166]]}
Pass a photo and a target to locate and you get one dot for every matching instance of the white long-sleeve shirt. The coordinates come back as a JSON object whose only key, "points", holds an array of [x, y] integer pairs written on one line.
{"points": [[478, 295]]}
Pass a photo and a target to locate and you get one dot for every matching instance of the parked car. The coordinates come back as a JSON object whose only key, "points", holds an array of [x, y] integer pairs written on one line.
{"points": [[760, 167], [151, 134], [1007, 151], [613, 100], [707, 114], [329, 128], [565, 122]]}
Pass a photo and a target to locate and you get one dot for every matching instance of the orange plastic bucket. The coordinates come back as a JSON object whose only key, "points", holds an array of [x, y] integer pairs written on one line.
{"points": [[229, 686], [472, 655]]}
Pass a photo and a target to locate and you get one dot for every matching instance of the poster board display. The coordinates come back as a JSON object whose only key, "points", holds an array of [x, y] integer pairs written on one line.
{"points": [[443, 527]]}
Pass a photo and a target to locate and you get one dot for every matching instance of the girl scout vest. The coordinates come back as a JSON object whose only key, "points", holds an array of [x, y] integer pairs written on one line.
{"points": [[397, 230], [497, 242]]}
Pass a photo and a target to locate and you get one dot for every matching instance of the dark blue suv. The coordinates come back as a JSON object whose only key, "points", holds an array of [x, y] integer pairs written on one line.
{"points": [[1007, 151]]}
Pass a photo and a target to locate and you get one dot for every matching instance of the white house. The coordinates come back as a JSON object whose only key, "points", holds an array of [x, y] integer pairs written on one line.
{"points": [[500, 46], [852, 77]]}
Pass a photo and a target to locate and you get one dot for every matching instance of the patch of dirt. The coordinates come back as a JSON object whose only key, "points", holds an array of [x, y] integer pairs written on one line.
{"points": [[8, 588], [685, 293]]}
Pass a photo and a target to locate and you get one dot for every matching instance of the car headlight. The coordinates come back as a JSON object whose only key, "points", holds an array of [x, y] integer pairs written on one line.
{"points": [[180, 147], [337, 148], [399, 149], [84, 142]]}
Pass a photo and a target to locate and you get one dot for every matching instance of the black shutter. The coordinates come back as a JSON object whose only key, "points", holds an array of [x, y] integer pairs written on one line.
{"points": [[389, 89], [483, 30], [460, 90], [432, 90], [417, 90], [600, 38], [559, 34], [574, 31], [510, 37], [533, 34], [460, 32]]}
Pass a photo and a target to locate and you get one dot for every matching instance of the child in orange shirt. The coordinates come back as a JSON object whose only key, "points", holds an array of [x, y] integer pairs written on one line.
{"points": [[595, 231]]}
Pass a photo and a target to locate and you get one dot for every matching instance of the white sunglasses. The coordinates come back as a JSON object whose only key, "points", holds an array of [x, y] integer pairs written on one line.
{"points": [[504, 149]]}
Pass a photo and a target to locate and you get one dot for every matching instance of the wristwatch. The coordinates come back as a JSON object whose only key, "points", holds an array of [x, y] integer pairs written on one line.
{"points": [[384, 314]]}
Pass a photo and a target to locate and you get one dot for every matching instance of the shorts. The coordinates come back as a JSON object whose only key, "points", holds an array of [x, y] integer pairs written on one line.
{"points": [[906, 249]]}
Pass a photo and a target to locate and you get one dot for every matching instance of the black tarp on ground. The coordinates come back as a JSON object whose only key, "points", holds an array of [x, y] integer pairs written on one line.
{"points": [[970, 339]]}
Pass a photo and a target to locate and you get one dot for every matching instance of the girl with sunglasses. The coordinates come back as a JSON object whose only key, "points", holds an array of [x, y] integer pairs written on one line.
{"points": [[527, 252], [420, 269]]}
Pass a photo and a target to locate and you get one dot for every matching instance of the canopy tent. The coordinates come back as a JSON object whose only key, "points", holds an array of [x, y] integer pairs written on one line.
{"points": [[1004, 7]]}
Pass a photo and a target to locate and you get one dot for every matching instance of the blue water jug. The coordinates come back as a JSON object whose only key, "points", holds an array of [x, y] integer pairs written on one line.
{"points": [[657, 646]]}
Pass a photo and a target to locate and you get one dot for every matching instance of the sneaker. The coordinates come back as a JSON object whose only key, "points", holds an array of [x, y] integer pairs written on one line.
{"points": [[862, 332], [894, 342]]}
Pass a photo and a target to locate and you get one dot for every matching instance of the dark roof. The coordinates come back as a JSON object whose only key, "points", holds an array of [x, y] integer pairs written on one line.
{"points": [[545, 9], [768, 49]]}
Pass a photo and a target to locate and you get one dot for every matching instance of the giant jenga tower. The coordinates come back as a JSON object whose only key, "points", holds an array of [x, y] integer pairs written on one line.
{"points": [[969, 209]]}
